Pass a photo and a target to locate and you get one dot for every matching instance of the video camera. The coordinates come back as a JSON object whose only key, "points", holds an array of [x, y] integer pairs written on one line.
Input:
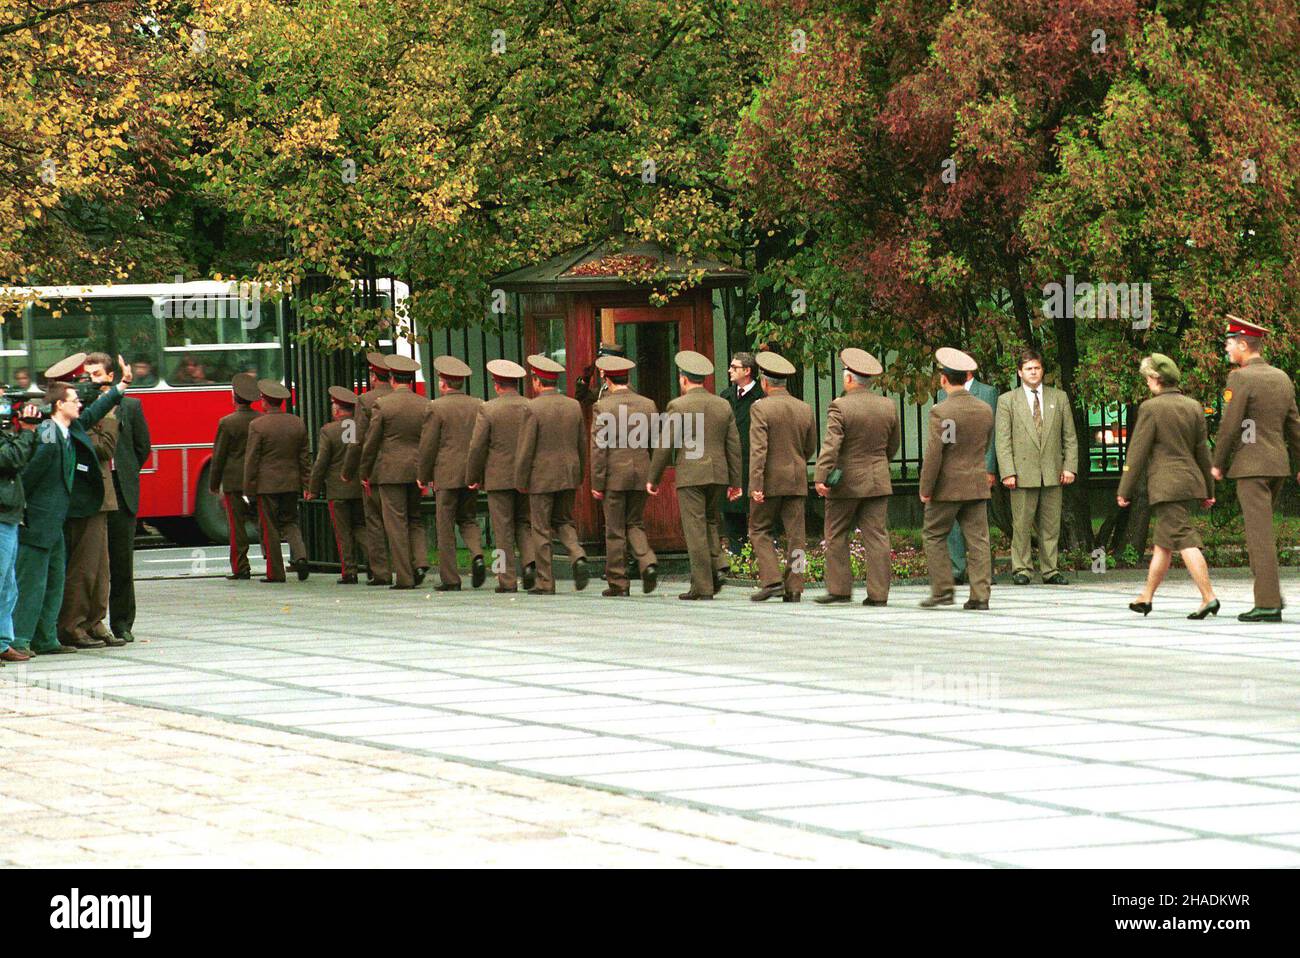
{"points": [[12, 401]]}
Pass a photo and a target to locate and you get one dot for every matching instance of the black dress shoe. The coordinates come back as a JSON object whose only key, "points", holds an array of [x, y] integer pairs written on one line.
{"points": [[649, 579], [975, 604], [1018, 579], [240, 575], [477, 572], [513, 588], [395, 586], [930, 601], [530, 576], [1056, 579], [1143, 607], [446, 587], [718, 581], [1261, 615], [346, 580], [767, 592], [380, 582], [695, 597], [1210, 608], [875, 602], [126, 636], [611, 592], [580, 575], [420, 573], [537, 591], [300, 567], [831, 599]]}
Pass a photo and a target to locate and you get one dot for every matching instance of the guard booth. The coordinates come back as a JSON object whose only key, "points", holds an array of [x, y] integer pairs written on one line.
{"points": [[572, 302]]}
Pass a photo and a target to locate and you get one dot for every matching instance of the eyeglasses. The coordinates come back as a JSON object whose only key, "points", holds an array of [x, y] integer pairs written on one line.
{"points": [[736, 366]]}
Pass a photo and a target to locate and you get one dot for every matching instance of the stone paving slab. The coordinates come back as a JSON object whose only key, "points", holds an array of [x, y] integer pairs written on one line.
{"points": [[1058, 728]]}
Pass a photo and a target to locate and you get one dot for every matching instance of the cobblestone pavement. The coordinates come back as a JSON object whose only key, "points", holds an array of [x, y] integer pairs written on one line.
{"points": [[1056, 729]]}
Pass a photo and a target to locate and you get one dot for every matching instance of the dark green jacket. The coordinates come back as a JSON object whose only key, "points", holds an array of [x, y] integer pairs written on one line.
{"points": [[88, 481], [15, 451], [45, 489]]}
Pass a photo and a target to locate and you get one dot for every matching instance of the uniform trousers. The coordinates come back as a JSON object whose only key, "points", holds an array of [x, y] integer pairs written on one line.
{"points": [[40, 584], [404, 530], [763, 517], [456, 509], [512, 533], [278, 515], [624, 512], [1258, 496], [1036, 511], [349, 522], [973, 517], [551, 514], [85, 589], [701, 508], [237, 513], [376, 538], [843, 516]]}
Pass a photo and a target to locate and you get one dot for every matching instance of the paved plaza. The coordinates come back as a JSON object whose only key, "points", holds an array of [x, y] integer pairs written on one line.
{"points": [[311, 723]]}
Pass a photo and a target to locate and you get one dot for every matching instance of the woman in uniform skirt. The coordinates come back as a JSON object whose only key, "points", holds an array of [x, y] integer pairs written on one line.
{"points": [[1169, 447]]}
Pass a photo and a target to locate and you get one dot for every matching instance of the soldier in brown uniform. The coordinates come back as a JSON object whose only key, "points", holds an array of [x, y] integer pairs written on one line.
{"points": [[491, 467], [703, 474], [277, 467], [782, 437], [1260, 425], [390, 462], [375, 539], [622, 430], [1168, 449], [955, 483], [862, 435], [226, 471], [444, 455], [85, 589], [549, 467], [344, 497]]}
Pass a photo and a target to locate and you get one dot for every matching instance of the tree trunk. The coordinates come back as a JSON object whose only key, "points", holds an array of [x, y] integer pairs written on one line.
{"points": [[1076, 517]]}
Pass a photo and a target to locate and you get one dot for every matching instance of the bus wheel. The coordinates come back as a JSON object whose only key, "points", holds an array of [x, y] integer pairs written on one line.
{"points": [[181, 530], [210, 512]]}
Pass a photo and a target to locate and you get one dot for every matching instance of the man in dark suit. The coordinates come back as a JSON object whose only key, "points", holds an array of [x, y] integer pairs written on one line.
{"points": [[277, 467], [226, 470], [133, 449], [744, 391], [64, 450]]}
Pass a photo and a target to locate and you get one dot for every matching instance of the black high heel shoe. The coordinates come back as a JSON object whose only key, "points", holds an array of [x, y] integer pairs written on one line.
{"points": [[1203, 611], [1143, 607]]}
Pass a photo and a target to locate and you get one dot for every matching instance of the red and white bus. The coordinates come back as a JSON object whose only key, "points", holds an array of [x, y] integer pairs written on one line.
{"points": [[184, 342]]}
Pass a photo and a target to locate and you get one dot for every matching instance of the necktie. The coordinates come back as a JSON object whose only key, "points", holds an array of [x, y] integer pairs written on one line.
{"points": [[1038, 413], [70, 461]]}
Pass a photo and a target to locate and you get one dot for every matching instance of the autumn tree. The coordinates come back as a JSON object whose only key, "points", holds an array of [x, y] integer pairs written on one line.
{"points": [[927, 170]]}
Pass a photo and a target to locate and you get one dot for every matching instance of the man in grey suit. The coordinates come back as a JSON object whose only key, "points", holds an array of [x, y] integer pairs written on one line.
{"points": [[1037, 456], [956, 541]]}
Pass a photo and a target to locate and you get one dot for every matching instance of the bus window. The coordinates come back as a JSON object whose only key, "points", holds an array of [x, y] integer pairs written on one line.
{"points": [[211, 339], [15, 373], [95, 324]]}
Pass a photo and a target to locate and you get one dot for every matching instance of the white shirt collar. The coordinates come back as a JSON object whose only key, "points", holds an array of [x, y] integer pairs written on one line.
{"points": [[744, 390], [63, 430], [1029, 393]]}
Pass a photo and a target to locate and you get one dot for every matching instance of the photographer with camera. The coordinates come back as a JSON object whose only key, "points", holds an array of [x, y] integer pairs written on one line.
{"points": [[63, 477], [17, 443]]}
